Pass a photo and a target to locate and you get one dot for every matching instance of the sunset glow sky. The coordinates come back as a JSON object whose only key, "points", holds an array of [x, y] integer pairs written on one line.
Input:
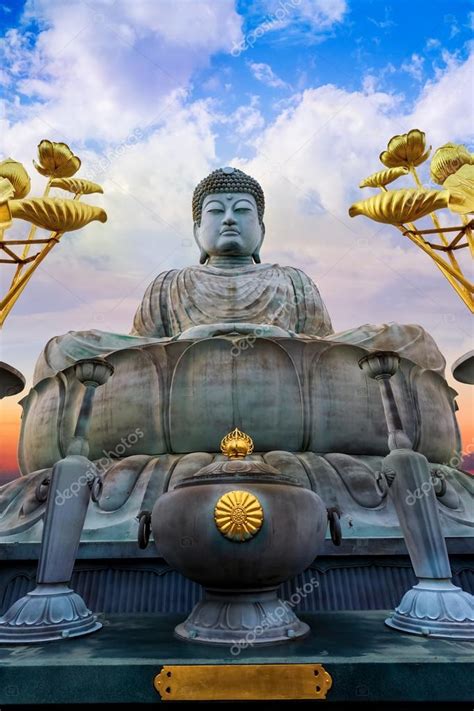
{"points": [[302, 94]]}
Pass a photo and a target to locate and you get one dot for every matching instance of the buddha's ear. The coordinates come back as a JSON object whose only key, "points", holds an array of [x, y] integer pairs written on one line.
{"points": [[256, 254], [203, 257]]}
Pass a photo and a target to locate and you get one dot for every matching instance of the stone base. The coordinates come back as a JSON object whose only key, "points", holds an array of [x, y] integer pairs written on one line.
{"points": [[368, 662], [241, 619], [435, 608], [47, 613]]}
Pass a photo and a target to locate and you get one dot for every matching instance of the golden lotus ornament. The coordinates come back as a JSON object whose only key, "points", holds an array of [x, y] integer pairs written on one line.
{"points": [[461, 189], [18, 177], [408, 150], [399, 206], [57, 215], [447, 160], [78, 186], [236, 445], [56, 160], [383, 177], [452, 166], [7, 191]]}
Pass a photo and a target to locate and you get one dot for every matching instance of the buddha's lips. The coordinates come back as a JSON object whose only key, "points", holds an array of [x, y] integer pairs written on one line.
{"points": [[230, 232]]}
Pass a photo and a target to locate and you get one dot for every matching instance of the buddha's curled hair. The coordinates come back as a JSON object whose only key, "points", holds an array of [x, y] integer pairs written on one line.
{"points": [[227, 180]]}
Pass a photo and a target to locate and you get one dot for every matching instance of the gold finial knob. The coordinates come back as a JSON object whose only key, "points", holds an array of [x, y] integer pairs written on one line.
{"points": [[236, 445]]}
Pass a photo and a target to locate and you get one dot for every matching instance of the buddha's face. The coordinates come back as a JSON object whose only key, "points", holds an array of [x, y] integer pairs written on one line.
{"points": [[229, 225]]}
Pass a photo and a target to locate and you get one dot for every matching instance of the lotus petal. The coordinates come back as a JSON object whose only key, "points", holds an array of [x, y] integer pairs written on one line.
{"points": [[447, 160], [56, 160], [461, 190], [407, 150], [55, 214], [383, 177], [78, 186], [17, 175], [416, 146], [397, 145], [395, 207], [7, 191]]}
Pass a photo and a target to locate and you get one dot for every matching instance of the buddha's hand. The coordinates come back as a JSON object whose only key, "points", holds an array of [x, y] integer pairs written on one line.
{"points": [[257, 330]]}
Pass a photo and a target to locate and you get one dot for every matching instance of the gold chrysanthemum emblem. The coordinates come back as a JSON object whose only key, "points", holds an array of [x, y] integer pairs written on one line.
{"points": [[238, 515]]}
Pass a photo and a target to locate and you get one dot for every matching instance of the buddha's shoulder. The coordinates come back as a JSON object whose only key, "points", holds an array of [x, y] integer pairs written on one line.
{"points": [[162, 277], [295, 275]]}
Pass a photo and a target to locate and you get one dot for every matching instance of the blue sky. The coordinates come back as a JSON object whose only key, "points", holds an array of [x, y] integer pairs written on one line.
{"points": [[371, 37], [395, 47], [302, 94]]}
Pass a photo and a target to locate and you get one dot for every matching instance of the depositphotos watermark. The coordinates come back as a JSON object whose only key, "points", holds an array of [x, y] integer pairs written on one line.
{"points": [[269, 23], [424, 489], [438, 477], [99, 467], [241, 344], [277, 616], [97, 169]]}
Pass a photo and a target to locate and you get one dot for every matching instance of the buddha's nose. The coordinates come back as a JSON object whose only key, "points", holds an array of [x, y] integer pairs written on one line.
{"points": [[229, 220]]}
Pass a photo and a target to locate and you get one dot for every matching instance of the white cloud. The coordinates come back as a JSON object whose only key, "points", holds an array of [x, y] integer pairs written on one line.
{"points": [[432, 43], [454, 28], [375, 81], [322, 14], [414, 66], [264, 73], [308, 20], [386, 23], [120, 62], [245, 120], [444, 105]]}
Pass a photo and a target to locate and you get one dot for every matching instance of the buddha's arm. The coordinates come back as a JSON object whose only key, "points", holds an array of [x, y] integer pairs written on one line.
{"points": [[151, 318], [247, 330], [313, 316]]}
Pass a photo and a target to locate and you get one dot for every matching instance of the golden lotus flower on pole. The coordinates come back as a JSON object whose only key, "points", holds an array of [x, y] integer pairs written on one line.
{"points": [[56, 160], [452, 167], [408, 150], [58, 163]]}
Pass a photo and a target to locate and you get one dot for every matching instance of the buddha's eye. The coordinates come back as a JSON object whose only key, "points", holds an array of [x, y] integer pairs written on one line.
{"points": [[242, 209], [215, 209]]}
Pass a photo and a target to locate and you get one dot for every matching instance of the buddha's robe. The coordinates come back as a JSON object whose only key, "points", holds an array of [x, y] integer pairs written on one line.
{"points": [[255, 293], [267, 294]]}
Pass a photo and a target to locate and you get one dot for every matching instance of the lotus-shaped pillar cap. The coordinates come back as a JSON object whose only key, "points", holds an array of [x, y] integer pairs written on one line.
{"points": [[380, 364], [12, 381], [93, 371]]}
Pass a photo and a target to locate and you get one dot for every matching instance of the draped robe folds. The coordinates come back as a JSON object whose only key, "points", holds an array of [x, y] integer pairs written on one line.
{"points": [[264, 294]]}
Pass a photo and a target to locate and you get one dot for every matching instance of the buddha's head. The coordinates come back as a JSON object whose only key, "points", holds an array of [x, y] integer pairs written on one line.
{"points": [[228, 210]]}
